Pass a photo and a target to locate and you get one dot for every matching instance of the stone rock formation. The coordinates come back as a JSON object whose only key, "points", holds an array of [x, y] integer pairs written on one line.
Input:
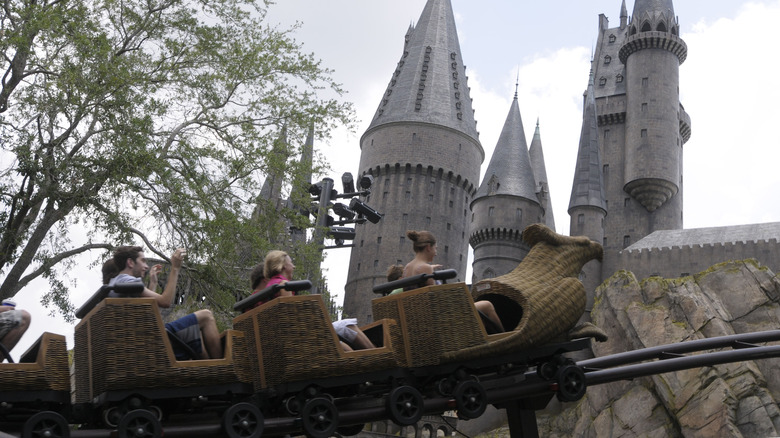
{"points": [[729, 400]]}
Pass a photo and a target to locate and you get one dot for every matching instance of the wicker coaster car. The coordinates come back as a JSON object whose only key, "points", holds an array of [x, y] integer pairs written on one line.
{"points": [[291, 341], [37, 388], [542, 298], [127, 375]]}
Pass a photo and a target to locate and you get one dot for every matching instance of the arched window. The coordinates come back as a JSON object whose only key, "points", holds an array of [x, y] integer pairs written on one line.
{"points": [[646, 27], [607, 59], [661, 27]]}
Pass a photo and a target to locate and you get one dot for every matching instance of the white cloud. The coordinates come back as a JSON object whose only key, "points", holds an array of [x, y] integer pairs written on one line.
{"points": [[729, 88]]}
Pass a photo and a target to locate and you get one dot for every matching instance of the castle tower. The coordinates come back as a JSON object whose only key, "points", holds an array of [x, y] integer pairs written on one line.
{"points": [[587, 206], [540, 176], [505, 203], [423, 150], [641, 124]]}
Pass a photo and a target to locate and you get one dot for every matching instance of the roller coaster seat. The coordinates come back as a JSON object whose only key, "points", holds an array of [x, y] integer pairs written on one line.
{"points": [[43, 367], [122, 344], [434, 320], [300, 327]]}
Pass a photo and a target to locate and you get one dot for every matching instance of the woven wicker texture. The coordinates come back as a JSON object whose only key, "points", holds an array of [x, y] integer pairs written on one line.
{"points": [[291, 339], [49, 372], [544, 287], [434, 320], [122, 344]]}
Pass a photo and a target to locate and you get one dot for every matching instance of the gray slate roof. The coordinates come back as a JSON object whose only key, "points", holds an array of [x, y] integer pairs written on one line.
{"points": [[510, 163], [429, 84], [709, 236], [540, 173], [652, 8], [588, 187]]}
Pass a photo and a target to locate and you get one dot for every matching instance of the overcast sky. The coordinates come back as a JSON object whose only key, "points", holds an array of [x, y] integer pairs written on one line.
{"points": [[728, 85]]}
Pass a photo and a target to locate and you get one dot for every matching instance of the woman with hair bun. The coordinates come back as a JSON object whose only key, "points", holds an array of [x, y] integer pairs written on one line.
{"points": [[424, 246]]}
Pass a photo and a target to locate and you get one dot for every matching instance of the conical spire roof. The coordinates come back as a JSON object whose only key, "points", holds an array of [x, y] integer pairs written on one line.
{"points": [[429, 84], [653, 7], [588, 187], [510, 171], [540, 174]]}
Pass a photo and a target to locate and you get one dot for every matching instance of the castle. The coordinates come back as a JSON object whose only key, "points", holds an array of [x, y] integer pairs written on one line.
{"points": [[423, 150]]}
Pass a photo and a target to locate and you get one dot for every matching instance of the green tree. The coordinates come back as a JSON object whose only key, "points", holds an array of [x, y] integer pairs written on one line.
{"points": [[149, 121]]}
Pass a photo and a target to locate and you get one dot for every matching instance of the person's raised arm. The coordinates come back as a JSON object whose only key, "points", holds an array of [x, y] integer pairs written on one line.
{"points": [[166, 298]]}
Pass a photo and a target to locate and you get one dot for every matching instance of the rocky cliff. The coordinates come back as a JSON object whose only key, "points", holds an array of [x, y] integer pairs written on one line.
{"points": [[730, 400]]}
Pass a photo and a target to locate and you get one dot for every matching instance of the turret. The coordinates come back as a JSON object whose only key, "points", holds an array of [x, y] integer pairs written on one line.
{"points": [[423, 150], [540, 175], [652, 55], [587, 205], [505, 203]]}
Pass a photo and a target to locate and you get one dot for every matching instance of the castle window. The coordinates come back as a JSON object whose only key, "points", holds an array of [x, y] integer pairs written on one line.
{"points": [[452, 190], [612, 38], [430, 198], [626, 202], [602, 81], [408, 195], [428, 220], [376, 263], [626, 241], [414, 136], [580, 219], [605, 169], [451, 204], [449, 226], [387, 183], [519, 214], [358, 266], [646, 27], [661, 27], [472, 217], [490, 211], [606, 135], [446, 248], [384, 195], [361, 243], [607, 59], [644, 106], [402, 241], [397, 262], [408, 181], [379, 240], [605, 243], [643, 133], [619, 78], [645, 81]]}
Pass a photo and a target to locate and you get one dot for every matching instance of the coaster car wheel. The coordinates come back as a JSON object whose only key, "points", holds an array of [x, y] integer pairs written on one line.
{"points": [[571, 383], [546, 370], [320, 418], [47, 424], [140, 423], [243, 420], [470, 399], [405, 404]]}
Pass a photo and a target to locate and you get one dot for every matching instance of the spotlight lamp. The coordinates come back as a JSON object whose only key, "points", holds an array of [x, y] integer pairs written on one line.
{"points": [[364, 210], [366, 181], [315, 189], [348, 182], [343, 211], [341, 233]]}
